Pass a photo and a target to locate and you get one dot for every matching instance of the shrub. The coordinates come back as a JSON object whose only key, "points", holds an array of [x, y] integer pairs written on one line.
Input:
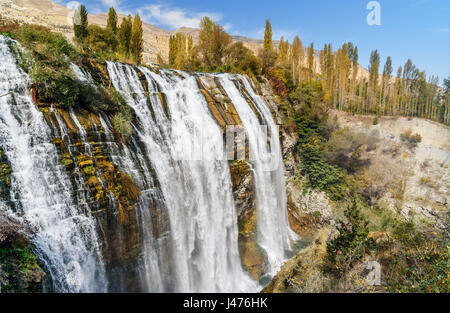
{"points": [[346, 148], [122, 124], [352, 243], [101, 42], [55, 86], [411, 140], [311, 147], [417, 262]]}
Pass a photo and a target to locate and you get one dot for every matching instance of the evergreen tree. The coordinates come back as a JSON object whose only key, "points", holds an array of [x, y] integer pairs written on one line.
{"points": [[80, 24], [136, 40], [125, 36]]}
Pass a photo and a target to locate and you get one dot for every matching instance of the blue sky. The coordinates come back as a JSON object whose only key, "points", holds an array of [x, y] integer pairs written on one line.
{"points": [[416, 29]]}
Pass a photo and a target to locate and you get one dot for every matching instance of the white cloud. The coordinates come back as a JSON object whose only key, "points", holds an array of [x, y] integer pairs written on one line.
{"points": [[174, 17], [111, 3], [73, 5]]}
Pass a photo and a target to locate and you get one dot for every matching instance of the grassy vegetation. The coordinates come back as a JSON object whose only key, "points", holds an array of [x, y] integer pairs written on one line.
{"points": [[19, 269]]}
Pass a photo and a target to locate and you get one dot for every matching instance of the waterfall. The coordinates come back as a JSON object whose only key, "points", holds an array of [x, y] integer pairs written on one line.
{"points": [[41, 192], [274, 233], [185, 236], [197, 191]]}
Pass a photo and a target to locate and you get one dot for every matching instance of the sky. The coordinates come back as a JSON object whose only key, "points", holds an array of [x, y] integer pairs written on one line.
{"points": [[415, 29]]}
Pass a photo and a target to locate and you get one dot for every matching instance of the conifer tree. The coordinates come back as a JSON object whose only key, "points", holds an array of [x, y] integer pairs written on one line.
{"points": [[136, 40], [80, 24]]}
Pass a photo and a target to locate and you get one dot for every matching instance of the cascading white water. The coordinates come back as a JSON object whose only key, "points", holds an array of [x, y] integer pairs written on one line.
{"points": [[41, 191], [273, 231], [197, 191]]}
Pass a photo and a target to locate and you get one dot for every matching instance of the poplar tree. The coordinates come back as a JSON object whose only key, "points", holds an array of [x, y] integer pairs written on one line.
{"points": [[373, 77], [297, 55], [283, 51], [172, 51], [268, 43], [124, 35], [80, 24], [311, 61], [111, 24], [267, 55], [387, 72], [136, 41]]}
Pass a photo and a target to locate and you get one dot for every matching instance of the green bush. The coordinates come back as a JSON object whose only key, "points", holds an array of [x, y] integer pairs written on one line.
{"points": [[122, 124], [55, 86], [352, 242], [311, 147]]}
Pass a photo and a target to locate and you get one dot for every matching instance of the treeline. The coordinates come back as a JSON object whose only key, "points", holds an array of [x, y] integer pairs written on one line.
{"points": [[214, 52], [345, 86], [124, 42]]}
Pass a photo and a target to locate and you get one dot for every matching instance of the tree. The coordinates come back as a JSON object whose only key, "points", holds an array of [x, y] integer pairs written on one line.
{"points": [[297, 55], [213, 43], [387, 72], [112, 20], [352, 242], [283, 51], [373, 77], [125, 36], [80, 24], [268, 43], [241, 59], [311, 61], [136, 41], [101, 41], [172, 51], [111, 26], [267, 55]]}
